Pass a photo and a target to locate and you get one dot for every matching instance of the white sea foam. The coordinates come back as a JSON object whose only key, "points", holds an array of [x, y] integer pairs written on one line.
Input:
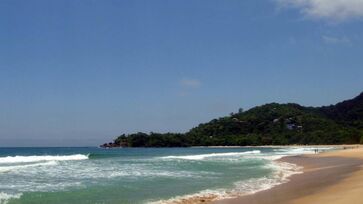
{"points": [[17, 167], [303, 150], [30, 159], [290, 151], [4, 197], [63, 175], [215, 194], [281, 174], [204, 156]]}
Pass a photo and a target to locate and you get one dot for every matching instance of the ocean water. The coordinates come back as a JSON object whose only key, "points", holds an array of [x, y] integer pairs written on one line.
{"points": [[139, 175]]}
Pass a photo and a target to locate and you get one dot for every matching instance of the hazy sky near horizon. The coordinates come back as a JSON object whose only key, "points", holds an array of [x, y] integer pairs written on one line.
{"points": [[76, 73]]}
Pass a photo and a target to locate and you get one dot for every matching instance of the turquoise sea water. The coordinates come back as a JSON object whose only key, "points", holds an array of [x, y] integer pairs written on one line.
{"points": [[138, 175]]}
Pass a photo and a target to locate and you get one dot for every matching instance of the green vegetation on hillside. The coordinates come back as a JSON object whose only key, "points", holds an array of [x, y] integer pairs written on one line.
{"points": [[270, 124]]}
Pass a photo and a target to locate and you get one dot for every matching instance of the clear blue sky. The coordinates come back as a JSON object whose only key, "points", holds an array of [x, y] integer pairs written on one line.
{"points": [[82, 72]]}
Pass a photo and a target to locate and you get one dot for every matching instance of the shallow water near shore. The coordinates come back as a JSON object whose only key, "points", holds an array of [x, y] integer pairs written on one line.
{"points": [[139, 175]]}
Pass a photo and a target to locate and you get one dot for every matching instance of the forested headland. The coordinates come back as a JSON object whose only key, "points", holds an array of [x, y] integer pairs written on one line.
{"points": [[269, 124]]}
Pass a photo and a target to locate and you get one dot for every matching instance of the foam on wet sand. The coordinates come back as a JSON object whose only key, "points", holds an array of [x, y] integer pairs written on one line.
{"points": [[332, 177]]}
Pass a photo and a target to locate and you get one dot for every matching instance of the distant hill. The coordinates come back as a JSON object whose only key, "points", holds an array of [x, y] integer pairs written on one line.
{"points": [[269, 124], [349, 112]]}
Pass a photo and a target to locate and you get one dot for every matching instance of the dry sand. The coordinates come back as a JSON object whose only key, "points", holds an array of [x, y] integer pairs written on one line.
{"points": [[332, 177]]}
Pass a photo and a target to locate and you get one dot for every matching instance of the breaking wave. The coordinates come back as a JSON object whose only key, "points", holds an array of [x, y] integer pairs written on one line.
{"points": [[32, 159], [4, 197], [204, 156], [16, 167]]}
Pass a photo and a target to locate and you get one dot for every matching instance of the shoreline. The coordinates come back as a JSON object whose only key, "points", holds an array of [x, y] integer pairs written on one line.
{"points": [[314, 173], [329, 177], [342, 146]]}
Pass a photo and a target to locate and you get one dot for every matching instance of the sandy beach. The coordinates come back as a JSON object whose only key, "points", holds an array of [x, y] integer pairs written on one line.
{"points": [[331, 177]]}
